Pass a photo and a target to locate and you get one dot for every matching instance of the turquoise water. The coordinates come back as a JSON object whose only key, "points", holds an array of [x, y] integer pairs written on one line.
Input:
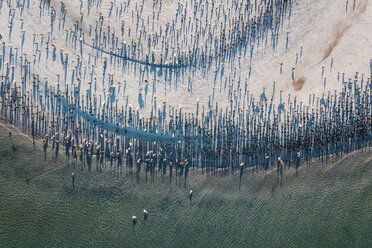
{"points": [[324, 206]]}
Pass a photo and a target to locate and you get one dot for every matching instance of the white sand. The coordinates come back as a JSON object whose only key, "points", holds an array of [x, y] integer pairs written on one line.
{"points": [[322, 28]]}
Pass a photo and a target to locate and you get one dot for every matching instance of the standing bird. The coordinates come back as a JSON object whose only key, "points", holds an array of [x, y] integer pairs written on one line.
{"points": [[73, 179], [145, 214], [134, 221]]}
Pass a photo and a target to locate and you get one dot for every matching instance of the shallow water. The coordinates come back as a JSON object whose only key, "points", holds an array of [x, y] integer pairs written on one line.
{"points": [[327, 205]]}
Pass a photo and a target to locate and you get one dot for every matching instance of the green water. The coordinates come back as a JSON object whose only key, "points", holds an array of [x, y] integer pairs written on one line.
{"points": [[324, 206]]}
